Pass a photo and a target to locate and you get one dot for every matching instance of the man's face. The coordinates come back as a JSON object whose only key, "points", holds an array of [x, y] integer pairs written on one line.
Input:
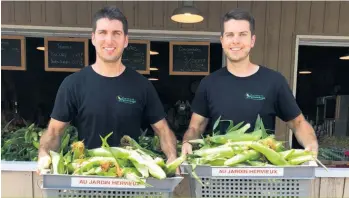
{"points": [[237, 40], [109, 40]]}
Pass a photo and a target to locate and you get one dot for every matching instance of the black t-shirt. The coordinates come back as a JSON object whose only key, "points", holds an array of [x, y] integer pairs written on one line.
{"points": [[99, 105], [266, 93]]}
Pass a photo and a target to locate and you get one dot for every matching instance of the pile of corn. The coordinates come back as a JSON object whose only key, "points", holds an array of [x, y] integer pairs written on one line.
{"points": [[129, 162], [22, 144], [238, 148]]}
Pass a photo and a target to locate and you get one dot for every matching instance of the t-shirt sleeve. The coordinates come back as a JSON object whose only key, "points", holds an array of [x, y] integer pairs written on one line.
{"points": [[64, 108], [286, 106], [200, 101], [154, 110]]}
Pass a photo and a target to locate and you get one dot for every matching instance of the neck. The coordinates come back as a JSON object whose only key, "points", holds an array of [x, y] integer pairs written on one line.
{"points": [[242, 68], [108, 69]]}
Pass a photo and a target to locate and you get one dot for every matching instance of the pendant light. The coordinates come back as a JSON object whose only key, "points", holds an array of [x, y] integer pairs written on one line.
{"points": [[41, 48], [154, 52], [188, 13], [305, 70], [345, 57]]}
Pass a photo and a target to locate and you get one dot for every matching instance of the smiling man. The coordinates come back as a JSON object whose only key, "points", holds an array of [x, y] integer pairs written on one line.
{"points": [[242, 90], [106, 96]]}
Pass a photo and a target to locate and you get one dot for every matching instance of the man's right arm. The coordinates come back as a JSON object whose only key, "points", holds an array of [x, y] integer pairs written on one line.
{"points": [[63, 112], [51, 138], [199, 118], [196, 127]]}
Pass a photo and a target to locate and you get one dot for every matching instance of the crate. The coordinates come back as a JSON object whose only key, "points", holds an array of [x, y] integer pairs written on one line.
{"points": [[106, 187], [257, 182]]}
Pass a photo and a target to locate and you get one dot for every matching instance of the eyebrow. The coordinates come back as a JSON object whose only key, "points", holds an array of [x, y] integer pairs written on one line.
{"points": [[238, 32], [102, 30]]}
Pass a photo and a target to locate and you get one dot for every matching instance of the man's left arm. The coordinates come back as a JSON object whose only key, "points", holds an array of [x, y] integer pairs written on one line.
{"points": [[168, 140], [304, 133], [288, 110], [156, 116]]}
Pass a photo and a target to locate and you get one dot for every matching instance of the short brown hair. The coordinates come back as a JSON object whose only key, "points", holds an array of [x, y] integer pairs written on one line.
{"points": [[111, 13], [239, 14]]}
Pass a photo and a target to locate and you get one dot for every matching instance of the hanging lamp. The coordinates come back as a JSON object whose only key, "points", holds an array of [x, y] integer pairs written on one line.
{"points": [[345, 57], [41, 48], [154, 52], [305, 70], [188, 13]]}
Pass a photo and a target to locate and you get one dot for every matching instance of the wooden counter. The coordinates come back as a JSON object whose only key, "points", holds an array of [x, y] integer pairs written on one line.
{"points": [[334, 183]]}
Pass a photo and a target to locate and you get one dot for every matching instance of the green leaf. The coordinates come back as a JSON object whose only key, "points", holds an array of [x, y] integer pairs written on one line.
{"points": [[65, 143], [36, 144], [264, 132], [104, 140], [27, 136], [236, 127], [34, 136], [216, 123], [31, 126], [257, 125], [231, 124]]}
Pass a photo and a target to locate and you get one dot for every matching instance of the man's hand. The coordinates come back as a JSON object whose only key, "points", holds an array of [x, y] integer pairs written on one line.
{"points": [[43, 164], [186, 148], [313, 147], [196, 127], [50, 140], [171, 159], [304, 133], [168, 140]]}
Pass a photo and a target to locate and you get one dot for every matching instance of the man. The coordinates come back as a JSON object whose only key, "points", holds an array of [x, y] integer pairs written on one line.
{"points": [[242, 90], [106, 96]]}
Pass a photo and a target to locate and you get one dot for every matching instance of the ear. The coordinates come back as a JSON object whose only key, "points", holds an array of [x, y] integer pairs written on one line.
{"points": [[93, 39], [126, 41], [253, 41], [221, 39]]}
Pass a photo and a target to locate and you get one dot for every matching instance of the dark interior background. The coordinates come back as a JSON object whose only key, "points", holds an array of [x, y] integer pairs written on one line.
{"points": [[329, 76]]}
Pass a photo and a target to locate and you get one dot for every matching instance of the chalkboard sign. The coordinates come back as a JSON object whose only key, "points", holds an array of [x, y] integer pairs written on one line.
{"points": [[137, 56], [189, 58], [13, 53], [66, 54]]}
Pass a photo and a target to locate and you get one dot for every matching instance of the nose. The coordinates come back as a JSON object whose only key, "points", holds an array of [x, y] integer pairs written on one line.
{"points": [[236, 39], [109, 38]]}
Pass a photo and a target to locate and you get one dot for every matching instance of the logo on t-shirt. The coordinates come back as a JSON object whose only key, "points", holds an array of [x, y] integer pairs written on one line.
{"points": [[254, 96], [125, 100]]}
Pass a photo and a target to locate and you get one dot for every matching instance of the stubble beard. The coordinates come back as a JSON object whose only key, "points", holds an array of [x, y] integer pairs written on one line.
{"points": [[236, 60], [112, 60]]}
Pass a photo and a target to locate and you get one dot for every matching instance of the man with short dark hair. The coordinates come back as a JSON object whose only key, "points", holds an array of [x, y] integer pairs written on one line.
{"points": [[106, 96], [242, 90]]}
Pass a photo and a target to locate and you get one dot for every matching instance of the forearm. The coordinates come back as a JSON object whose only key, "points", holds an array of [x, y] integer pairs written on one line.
{"points": [[191, 134], [305, 133], [194, 132], [49, 141], [168, 143]]}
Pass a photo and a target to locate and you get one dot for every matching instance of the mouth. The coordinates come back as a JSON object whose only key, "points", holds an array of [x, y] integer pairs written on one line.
{"points": [[235, 49], [109, 49]]}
